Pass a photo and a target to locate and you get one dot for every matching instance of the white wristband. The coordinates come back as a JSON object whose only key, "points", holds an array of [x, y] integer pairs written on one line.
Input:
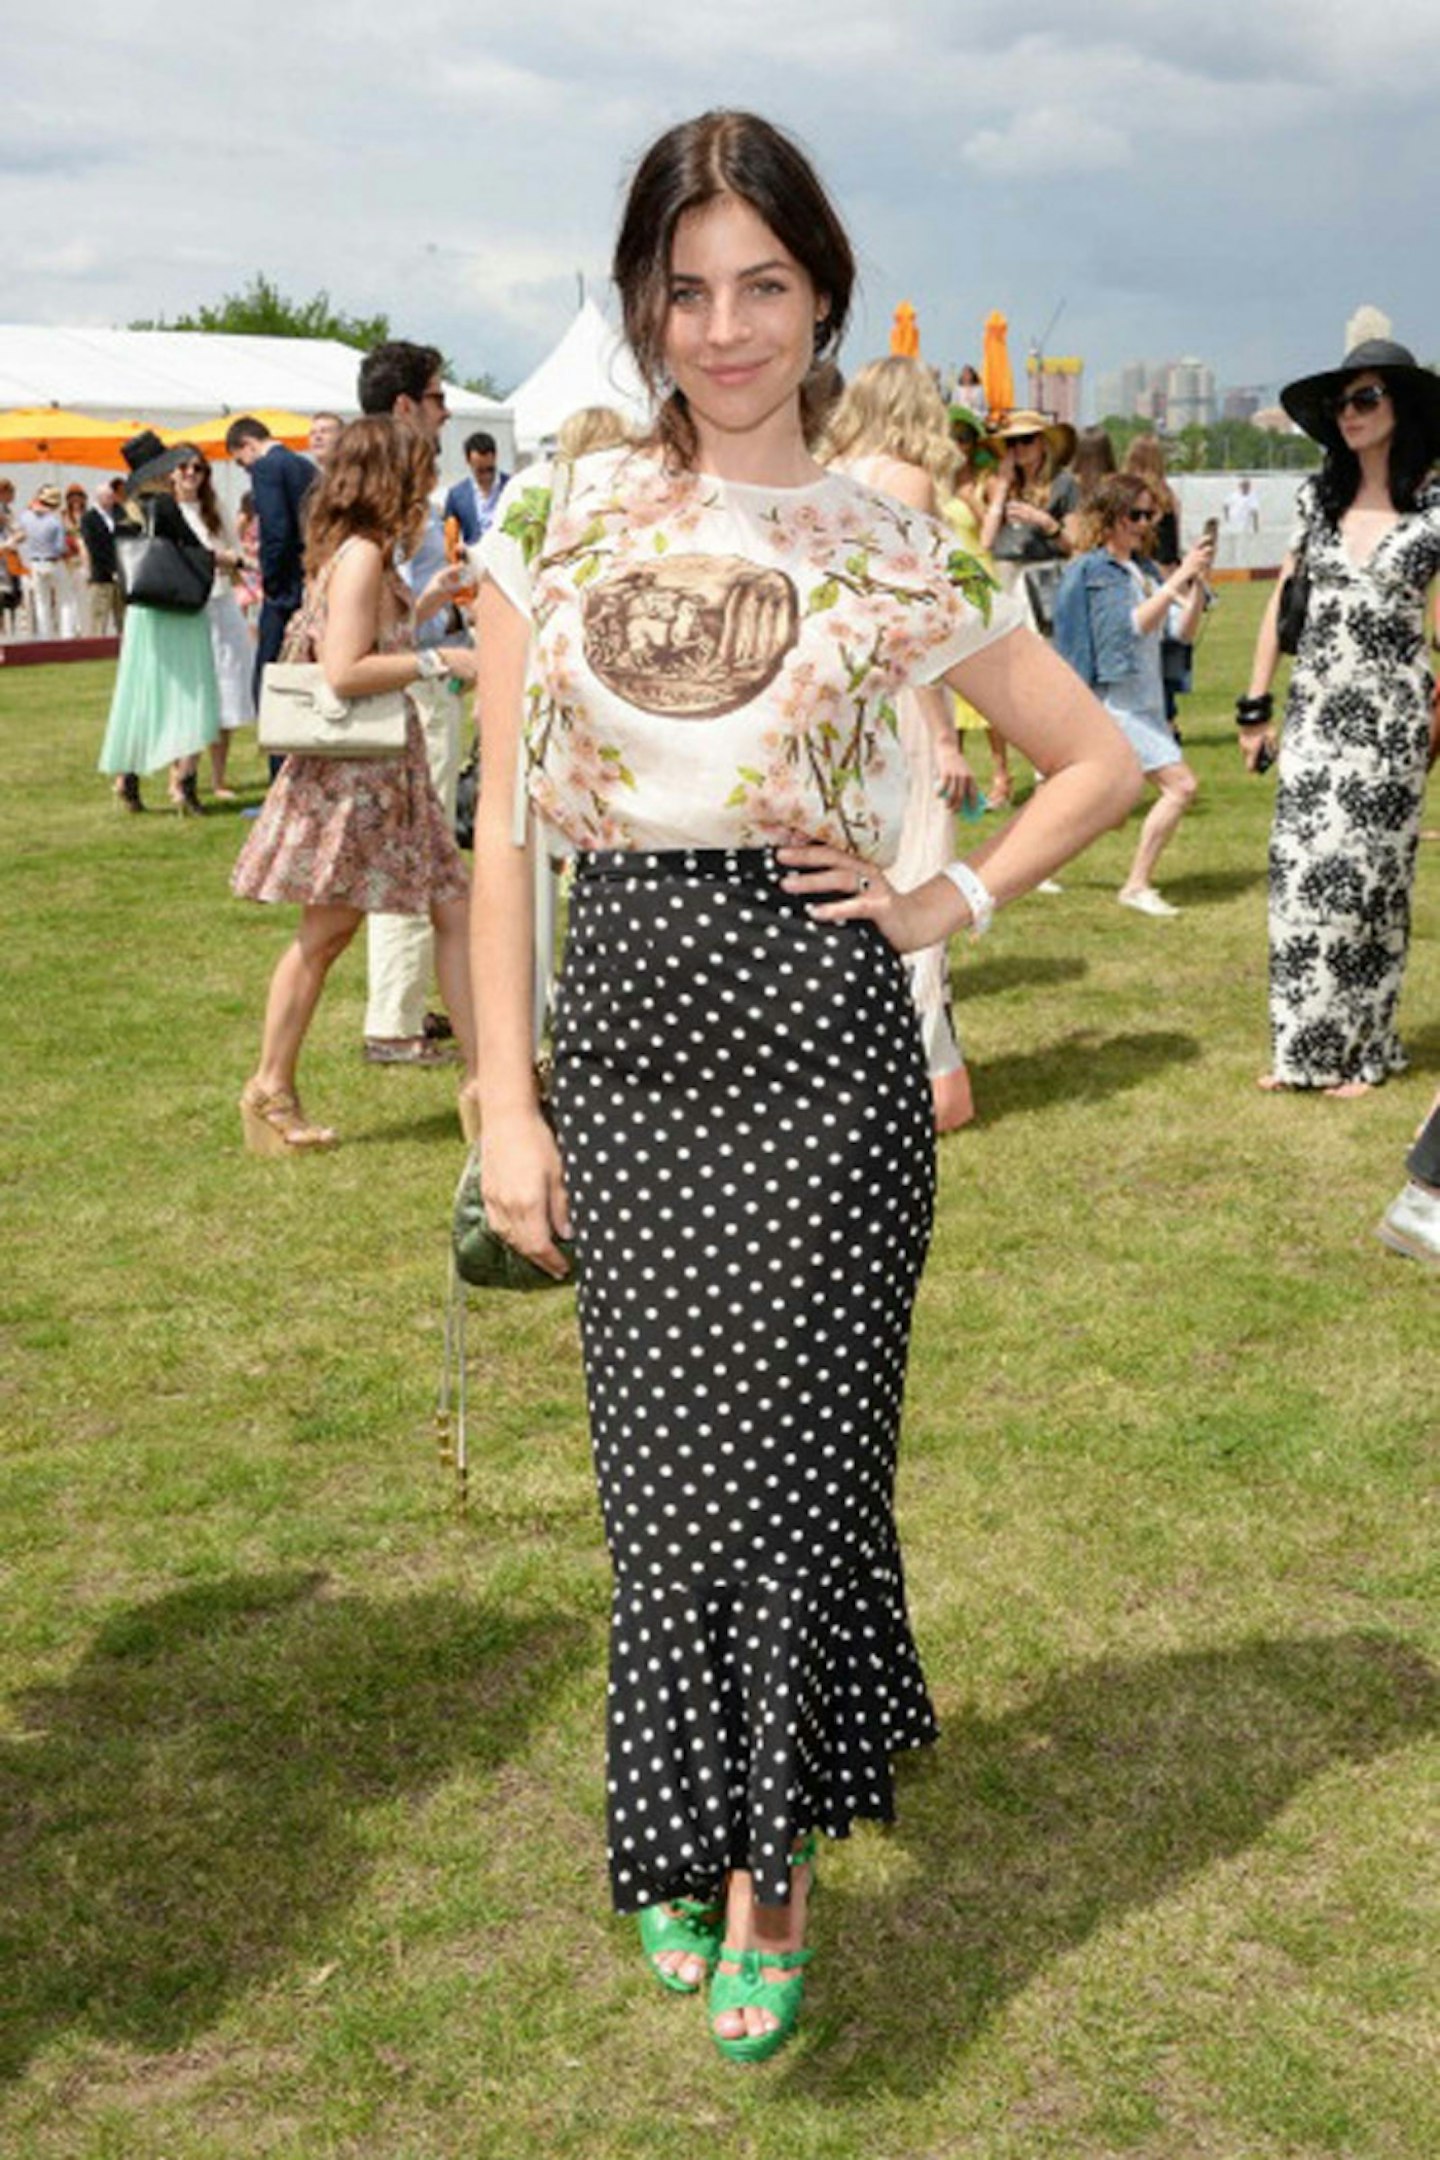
{"points": [[975, 893]]}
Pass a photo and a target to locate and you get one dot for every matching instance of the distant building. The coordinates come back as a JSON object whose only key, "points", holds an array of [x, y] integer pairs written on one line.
{"points": [[1054, 386], [1189, 395], [1275, 420], [1240, 404], [1367, 322]]}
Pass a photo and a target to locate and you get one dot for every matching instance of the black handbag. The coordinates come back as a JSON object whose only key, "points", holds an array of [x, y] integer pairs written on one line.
{"points": [[1293, 605], [155, 571], [1042, 581], [467, 788]]}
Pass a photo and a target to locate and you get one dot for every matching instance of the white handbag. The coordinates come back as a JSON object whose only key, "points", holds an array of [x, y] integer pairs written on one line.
{"points": [[300, 712]]}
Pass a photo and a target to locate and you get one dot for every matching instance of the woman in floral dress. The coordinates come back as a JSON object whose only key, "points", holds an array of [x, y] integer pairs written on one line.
{"points": [[891, 431], [690, 652], [345, 836], [1357, 741]]}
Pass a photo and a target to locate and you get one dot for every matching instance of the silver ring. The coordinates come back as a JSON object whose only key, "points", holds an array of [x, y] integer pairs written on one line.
{"points": [[862, 884]]}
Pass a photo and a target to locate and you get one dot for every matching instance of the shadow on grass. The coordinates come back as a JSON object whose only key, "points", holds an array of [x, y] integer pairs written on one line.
{"points": [[181, 1815], [1017, 971], [1191, 888], [1115, 1787], [1081, 1067]]}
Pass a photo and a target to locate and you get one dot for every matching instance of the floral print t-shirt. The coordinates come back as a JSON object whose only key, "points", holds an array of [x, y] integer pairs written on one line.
{"points": [[716, 664]]}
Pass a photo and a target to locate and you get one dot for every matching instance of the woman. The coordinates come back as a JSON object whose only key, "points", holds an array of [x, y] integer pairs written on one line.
{"points": [[1146, 459], [1026, 500], [345, 836], [72, 569], [165, 708], [249, 590], [230, 641], [743, 1117], [891, 431], [1357, 739], [1114, 607]]}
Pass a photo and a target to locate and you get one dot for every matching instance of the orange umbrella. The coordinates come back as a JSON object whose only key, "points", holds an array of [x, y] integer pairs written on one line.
{"points": [[48, 435], [995, 370], [905, 332], [290, 428]]}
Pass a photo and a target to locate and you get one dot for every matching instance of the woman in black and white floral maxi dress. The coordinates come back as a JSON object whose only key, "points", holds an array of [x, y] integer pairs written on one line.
{"points": [[1357, 740]]}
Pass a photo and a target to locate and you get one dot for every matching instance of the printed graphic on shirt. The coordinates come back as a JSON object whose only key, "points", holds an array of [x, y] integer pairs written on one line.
{"points": [[692, 636]]}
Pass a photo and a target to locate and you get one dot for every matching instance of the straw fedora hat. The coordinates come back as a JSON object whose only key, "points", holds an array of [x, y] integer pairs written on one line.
{"points": [[1310, 402], [1059, 435], [48, 497]]}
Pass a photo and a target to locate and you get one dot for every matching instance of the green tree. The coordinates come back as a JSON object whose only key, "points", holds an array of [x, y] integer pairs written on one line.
{"points": [[262, 310]]}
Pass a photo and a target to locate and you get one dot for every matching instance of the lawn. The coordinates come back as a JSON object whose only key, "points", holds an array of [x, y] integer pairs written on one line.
{"points": [[301, 1768]]}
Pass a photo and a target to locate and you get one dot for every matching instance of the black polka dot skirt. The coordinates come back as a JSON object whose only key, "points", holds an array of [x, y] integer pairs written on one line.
{"points": [[746, 1127]]}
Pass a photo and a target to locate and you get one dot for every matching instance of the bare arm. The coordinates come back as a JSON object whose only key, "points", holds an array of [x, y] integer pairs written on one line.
{"points": [[1092, 779], [1182, 584], [996, 502], [352, 666], [1261, 736], [522, 1181]]}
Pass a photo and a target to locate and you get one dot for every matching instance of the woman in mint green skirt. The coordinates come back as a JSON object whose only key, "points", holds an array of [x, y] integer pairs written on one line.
{"points": [[166, 707]]}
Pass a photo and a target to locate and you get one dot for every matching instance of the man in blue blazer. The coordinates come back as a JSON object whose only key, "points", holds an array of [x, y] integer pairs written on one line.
{"points": [[280, 479], [473, 501]]}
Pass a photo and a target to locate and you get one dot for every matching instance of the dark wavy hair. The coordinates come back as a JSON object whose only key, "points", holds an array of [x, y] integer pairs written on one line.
{"points": [[725, 153], [1410, 456]]}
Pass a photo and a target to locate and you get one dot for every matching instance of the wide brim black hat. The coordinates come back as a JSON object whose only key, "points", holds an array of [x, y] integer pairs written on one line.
{"points": [[1310, 402], [150, 459]]}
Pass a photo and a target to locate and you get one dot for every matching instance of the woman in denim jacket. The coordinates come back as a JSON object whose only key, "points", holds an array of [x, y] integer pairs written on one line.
{"points": [[1111, 613]]}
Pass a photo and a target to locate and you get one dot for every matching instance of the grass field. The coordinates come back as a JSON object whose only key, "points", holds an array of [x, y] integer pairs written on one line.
{"points": [[301, 1771]]}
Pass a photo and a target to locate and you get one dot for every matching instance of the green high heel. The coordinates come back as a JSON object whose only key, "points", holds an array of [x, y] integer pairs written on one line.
{"points": [[748, 1988], [683, 1924]]}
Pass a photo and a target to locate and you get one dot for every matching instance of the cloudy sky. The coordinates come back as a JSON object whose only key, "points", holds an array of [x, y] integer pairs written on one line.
{"points": [[1228, 178]]}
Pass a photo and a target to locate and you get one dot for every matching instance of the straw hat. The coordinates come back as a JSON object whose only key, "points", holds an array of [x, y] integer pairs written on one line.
{"points": [[1059, 435], [1310, 401], [48, 497]]}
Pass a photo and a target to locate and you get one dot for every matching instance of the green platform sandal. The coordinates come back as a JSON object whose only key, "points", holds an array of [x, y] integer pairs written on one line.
{"points": [[749, 1989], [686, 1925]]}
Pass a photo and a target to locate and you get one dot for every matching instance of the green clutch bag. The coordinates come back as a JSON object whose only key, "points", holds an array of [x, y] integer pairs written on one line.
{"points": [[482, 1257]]}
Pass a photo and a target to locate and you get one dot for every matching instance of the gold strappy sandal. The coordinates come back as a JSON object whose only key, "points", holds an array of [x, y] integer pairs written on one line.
{"points": [[275, 1124]]}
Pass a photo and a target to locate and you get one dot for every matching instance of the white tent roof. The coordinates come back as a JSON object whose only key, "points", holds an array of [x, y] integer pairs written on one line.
{"points": [[187, 373], [590, 366], [167, 378]]}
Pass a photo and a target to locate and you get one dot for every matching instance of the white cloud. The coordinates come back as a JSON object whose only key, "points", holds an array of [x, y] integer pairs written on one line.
{"points": [[1044, 141]]}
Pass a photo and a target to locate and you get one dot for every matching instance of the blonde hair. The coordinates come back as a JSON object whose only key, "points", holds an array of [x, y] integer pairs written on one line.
{"points": [[893, 409], [593, 427], [1146, 458]]}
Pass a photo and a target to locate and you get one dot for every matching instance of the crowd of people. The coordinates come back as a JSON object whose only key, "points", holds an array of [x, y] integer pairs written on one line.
{"points": [[726, 667]]}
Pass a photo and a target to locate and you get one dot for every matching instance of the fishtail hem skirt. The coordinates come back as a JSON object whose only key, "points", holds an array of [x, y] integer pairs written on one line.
{"points": [[746, 1126]]}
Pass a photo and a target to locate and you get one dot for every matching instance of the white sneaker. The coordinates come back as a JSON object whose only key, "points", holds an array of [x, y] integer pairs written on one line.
{"points": [[1146, 902], [1049, 885], [1411, 1224]]}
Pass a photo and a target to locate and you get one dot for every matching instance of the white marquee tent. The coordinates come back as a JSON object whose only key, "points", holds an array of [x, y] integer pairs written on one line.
{"points": [[590, 366], [164, 378]]}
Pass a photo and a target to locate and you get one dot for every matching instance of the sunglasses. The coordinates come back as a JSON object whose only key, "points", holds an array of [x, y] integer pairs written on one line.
{"points": [[1368, 398], [1142, 517], [1015, 440]]}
